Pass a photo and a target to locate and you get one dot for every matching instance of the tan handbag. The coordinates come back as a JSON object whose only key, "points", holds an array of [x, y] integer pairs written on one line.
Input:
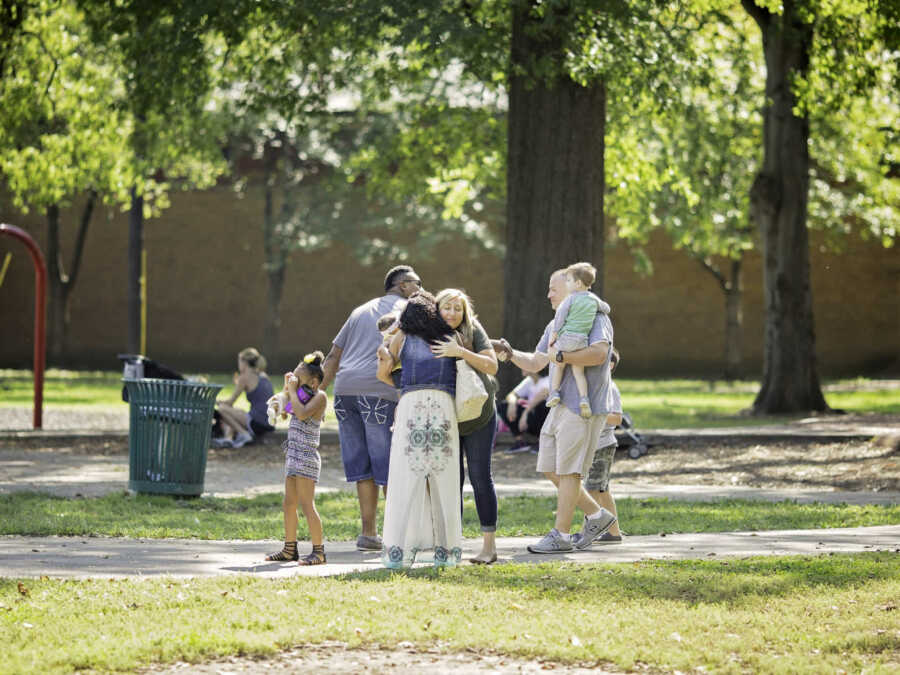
{"points": [[470, 392]]}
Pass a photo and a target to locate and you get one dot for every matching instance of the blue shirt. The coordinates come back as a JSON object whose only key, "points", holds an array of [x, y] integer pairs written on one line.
{"points": [[597, 376], [423, 370]]}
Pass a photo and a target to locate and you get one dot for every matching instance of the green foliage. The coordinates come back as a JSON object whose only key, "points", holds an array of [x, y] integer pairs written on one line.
{"points": [[61, 126], [168, 53], [687, 167], [99, 100]]}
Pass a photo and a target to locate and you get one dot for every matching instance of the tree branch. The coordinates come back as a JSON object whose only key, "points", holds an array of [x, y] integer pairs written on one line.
{"points": [[707, 264], [55, 66], [761, 15], [77, 253]]}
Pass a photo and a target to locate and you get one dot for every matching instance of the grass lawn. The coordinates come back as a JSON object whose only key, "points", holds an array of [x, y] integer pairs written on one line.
{"points": [[801, 615], [662, 404], [121, 515], [654, 404]]}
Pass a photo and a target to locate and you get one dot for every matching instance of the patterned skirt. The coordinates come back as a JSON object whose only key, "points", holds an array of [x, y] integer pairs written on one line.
{"points": [[422, 511]]}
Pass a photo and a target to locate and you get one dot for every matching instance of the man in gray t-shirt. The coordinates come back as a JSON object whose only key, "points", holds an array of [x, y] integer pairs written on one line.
{"points": [[365, 406], [568, 441]]}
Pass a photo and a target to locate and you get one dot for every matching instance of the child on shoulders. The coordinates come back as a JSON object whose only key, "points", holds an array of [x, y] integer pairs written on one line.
{"points": [[572, 328]]}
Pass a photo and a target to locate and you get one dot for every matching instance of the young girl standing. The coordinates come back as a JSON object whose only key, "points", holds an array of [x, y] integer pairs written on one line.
{"points": [[302, 463]]}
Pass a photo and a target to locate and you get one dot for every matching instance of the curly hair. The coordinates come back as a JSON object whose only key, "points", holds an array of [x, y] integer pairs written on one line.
{"points": [[421, 318], [313, 364]]}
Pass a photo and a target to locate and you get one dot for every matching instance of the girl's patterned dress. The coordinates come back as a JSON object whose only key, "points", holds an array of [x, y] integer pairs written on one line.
{"points": [[301, 449]]}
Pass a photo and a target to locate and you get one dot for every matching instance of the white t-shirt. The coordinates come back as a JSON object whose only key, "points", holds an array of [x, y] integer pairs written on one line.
{"points": [[527, 388]]}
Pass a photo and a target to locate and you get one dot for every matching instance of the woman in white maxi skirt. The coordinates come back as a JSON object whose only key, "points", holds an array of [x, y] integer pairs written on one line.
{"points": [[422, 518]]}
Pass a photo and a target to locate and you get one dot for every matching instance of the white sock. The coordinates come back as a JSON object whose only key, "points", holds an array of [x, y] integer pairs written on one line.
{"points": [[594, 516], [565, 536]]}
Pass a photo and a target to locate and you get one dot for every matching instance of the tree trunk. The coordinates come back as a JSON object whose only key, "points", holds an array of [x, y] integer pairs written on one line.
{"points": [[555, 183], [734, 320], [58, 293], [61, 282], [778, 206], [135, 247], [274, 265]]}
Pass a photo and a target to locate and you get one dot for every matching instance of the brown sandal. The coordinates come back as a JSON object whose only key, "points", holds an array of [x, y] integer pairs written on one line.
{"points": [[288, 553], [317, 557]]}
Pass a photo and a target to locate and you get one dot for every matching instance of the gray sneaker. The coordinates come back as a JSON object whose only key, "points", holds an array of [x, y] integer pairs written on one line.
{"points": [[593, 528], [366, 543], [605, 538], [552, 542]]}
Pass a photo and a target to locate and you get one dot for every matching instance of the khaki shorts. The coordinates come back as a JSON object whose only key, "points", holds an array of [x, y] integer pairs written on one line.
{"points": [[568, 442]]}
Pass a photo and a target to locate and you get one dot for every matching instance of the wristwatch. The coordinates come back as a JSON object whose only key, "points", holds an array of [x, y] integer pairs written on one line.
{"points": [[559, 357]]}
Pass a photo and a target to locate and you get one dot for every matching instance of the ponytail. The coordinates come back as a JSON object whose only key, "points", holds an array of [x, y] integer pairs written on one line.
{"points": [[313, 362], [253, 358]]}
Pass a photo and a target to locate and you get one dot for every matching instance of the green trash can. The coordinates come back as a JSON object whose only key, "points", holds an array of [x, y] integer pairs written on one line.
{"points": [[168, 435]]}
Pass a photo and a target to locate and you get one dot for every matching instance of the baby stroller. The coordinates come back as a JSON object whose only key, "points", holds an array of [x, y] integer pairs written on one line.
{"points": [[629, 439], [137, 367]]}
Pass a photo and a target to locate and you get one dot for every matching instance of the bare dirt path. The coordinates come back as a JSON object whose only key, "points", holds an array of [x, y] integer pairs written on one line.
{"points": [[97, 465]]}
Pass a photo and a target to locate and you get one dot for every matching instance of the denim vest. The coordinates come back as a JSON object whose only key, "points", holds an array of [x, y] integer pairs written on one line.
{"points": [[424, 370]]}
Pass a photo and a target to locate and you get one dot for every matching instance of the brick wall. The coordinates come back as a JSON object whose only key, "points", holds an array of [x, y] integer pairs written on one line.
{"points": [[207, 290]]}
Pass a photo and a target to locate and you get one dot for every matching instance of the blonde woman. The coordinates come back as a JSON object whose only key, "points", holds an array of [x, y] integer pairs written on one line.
{"points": [[476, 437], [251, 380]]}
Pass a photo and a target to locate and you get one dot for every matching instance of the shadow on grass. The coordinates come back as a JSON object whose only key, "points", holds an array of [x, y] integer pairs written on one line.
{"points": [[689, 581]]}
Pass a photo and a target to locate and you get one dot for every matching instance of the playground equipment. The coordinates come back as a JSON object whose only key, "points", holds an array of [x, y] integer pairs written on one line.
{"points": [[40, 316]]}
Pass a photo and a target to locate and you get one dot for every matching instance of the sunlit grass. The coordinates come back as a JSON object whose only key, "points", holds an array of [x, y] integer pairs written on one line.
{"points": [[662, 404], [799, 614], [254, 518]]}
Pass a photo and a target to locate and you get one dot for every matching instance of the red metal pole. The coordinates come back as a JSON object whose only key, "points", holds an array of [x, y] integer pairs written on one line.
{"points": [[40, 316]]}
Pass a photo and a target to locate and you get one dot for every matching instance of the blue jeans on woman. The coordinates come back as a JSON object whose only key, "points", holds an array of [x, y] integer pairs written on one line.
{"points": [[477, 448]]}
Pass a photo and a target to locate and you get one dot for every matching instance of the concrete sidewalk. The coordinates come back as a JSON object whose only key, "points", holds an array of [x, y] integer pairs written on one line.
{"points": [[102, 557]]}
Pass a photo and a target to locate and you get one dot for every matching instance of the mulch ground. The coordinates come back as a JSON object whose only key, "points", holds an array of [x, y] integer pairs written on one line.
{"points": [[850, 465]]}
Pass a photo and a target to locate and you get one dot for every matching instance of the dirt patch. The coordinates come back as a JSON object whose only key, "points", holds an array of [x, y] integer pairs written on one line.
{"points": [[849, 465], [336, 657], [741, 461]]}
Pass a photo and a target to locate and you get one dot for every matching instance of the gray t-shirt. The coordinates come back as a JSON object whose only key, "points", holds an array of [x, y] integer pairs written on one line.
{"points": [[359, 339], [597, 376]]}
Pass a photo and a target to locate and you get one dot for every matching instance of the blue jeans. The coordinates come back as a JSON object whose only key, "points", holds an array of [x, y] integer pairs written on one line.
{"points": [[477, 448], [364, 427]]}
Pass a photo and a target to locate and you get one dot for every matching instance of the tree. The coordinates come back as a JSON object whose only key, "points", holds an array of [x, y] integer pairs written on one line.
{"points": [[557, 70], [555, 170], [280, 104], [697, 157], [805, 43], [60, 139], [167, 50]]}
